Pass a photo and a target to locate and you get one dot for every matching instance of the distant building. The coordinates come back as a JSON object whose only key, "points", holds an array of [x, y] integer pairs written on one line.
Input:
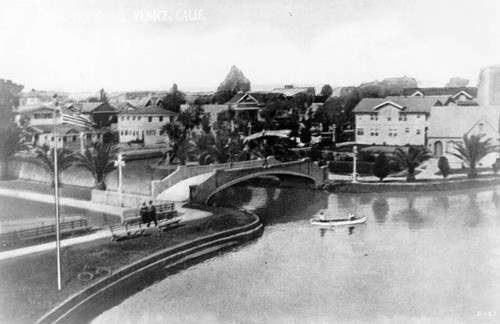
{"points": [[247, 105], [488, 93], [213, 110], [395, 120], [290, 90], [101, 113], [144, 124], [71, 126], [448, 124], [35, 97]]}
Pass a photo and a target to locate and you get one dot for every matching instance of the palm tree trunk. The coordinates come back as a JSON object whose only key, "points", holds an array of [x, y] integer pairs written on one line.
{"points": [[100, 185], [411, 175]]}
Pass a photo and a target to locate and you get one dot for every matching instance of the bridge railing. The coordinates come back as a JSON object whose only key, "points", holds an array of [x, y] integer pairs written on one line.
{"points": [[220, 178], [184, 172]]}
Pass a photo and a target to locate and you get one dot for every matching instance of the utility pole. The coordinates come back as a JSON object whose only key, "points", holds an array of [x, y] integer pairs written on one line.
{"points": [[354, 164], [56, 195], [120, 163]]}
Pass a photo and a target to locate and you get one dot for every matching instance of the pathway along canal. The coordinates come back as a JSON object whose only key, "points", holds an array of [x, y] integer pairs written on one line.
{"points": [[431, 257]]}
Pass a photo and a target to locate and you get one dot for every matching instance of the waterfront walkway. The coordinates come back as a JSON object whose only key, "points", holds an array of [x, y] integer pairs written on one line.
{"points": [[39, 192]]}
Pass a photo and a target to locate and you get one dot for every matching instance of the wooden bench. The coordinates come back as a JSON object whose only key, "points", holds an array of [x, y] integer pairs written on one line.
{"points": [[171, 223], [119, 232], [44, 231], [163, 212]]}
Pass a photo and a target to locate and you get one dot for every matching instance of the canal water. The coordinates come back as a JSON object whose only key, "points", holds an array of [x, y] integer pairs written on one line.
{"points": [[20, 213], [420, 257]]}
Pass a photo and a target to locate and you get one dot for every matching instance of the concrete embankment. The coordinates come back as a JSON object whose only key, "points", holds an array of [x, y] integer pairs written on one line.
{"points": [[85, 305], [439, 185]]}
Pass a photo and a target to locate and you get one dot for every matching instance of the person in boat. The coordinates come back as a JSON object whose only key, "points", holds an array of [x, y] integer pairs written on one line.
{"points": [[351, 217], [322, 216]]}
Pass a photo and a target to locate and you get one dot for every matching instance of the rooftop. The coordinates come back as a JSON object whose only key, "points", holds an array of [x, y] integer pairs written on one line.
{"points": [[407, 104]]}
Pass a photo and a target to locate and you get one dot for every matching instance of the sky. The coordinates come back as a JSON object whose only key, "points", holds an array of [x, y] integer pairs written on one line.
{"points": [[126, 45]]}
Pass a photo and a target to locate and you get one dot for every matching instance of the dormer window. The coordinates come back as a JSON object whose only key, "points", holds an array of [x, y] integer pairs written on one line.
{"points": [[481, 127]]}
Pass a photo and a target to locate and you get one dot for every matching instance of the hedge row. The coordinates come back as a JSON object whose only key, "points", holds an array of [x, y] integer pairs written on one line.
{"points": [[363, 168]]}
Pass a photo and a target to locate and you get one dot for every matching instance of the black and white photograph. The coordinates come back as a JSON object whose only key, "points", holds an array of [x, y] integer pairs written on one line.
{"points": [[249, 161]]}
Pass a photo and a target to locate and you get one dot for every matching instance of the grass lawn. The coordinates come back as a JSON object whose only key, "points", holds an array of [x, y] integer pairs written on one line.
{"points": [[28, 286]]}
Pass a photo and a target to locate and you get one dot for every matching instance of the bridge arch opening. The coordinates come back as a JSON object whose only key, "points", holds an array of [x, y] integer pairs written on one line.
{"points": [[280, 174]]}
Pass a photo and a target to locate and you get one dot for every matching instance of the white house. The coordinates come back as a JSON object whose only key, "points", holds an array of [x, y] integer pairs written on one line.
{"points": [[144, 124], [73, 130], [448, 124], [394, 120]]}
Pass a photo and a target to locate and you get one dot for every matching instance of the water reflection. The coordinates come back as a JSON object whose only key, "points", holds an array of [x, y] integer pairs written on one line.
{"points": [[473, 213], [380, 209], [411, 215], [442, 202]]}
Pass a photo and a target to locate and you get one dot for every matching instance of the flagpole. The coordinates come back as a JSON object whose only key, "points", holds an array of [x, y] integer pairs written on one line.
{"points": [[56, 195]]}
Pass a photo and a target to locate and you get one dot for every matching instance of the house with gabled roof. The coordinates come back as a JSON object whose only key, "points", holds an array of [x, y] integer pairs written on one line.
{"points": [[144, 125], [447, 125], [102, 114], [395, 120]]}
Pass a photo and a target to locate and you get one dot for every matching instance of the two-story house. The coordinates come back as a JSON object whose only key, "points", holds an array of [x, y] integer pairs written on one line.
{"points": [[144, 125], [394, 120], [73, 131]]}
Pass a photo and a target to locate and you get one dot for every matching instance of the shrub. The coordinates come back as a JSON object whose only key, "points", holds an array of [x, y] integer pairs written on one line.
{"points": [[343, 167], [381, 167], [444, 166], [495, 166]]}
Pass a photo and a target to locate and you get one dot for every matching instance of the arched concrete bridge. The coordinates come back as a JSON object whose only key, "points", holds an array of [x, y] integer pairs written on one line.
{"points": [[221, 179]]}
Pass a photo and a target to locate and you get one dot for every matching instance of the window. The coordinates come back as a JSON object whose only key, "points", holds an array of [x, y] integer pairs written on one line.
{"points": [[171, 119], [139, 118], [150, 119], [407, 129], [360, 117], [133, 117], [360, 132], [418, 115], [389, 118], [418, 131], [373, 116], [74, 138], [403, 117], [393, 132], [161, 118], [128, 117], [481, 127], [374, 132], [150, 132]]}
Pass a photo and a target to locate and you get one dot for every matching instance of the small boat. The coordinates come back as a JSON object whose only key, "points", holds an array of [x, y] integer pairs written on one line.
{"points": [[337, 222]]}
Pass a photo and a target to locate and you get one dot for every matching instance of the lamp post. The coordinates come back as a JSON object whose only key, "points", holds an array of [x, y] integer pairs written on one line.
{"points": [[354, 164], [56, 196], [120, 163]]}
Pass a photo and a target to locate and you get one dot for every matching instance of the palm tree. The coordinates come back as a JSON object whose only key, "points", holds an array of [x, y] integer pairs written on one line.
{"points": [[472, 150], [65, 159], [99, 161], [411, 159], [224, 148], [183, 150], [11, 141]]}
